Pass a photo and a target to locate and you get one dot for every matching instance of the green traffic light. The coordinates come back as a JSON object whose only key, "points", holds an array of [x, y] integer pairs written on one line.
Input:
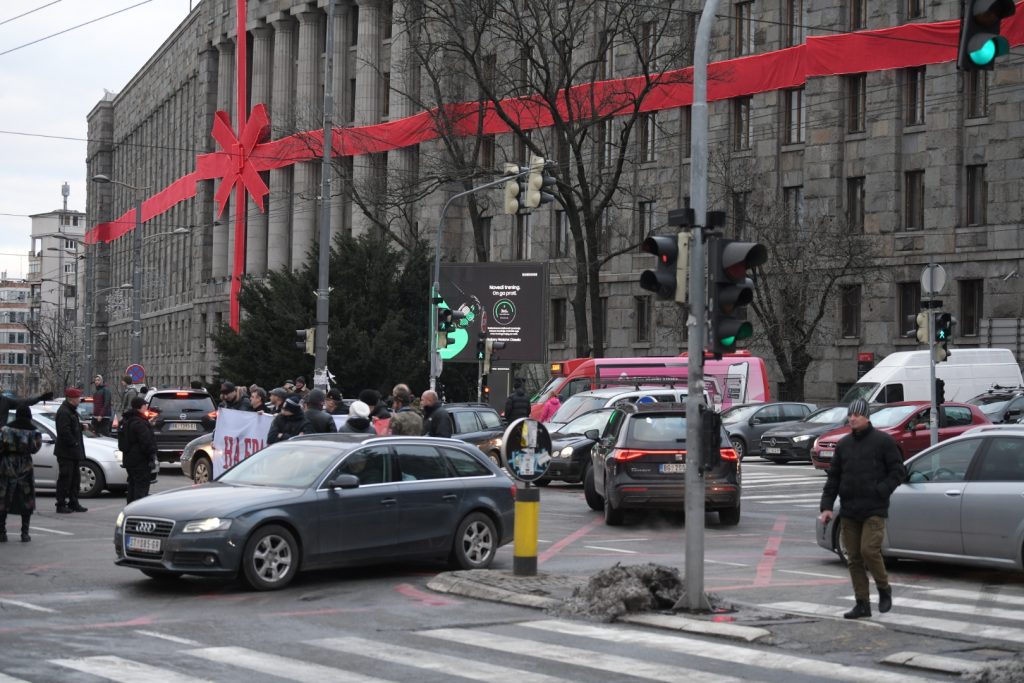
{"points": [[984, 55]]}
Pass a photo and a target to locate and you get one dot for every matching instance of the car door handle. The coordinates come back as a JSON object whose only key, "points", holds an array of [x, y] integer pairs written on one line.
{"points": [[449, 497], [388, 501], [953, 493]]}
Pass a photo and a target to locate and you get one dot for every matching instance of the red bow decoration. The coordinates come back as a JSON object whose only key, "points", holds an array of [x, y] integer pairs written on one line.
{"points": [[233, 163]]}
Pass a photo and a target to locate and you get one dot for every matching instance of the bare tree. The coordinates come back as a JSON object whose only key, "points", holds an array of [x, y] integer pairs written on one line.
{"points": [[55, 339]]}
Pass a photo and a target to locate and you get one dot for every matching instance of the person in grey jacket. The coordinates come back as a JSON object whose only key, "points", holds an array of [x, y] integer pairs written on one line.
{"points": [[358, 421]]}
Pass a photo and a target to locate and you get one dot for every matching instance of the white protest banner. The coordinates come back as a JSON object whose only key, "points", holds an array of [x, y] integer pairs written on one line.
{"points": [[238, 435]]}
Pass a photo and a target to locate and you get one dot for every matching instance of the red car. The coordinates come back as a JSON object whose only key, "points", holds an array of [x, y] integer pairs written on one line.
{"points": [[908, 423]]}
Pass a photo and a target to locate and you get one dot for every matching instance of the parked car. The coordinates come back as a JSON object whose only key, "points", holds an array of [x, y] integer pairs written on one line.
{"points": [[197, 458], [585, 401], [101, 470], [639, 463], [571, 446], [178, 416], [748, 422], [321, 501], [960, 504], [908, 423], [478, 424], [1001, 404], [793, 440]]}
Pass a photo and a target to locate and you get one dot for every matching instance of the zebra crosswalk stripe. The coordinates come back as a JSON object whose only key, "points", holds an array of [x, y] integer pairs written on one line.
{"points": [[124, 670], [723, 651], [282, 667], [962, 609], [961, 594]]}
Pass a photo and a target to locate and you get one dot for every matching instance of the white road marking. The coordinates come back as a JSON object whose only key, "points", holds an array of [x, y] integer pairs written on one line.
{"points": [[613, 550], [774, 484], [433, 661], [282, 667], [730, 564], [824, 576], [26, 605], [125, 670], [828, 670], [50, 531], [779, 496], [4, 678], [165, 636], [960, 608], [976, 595]]}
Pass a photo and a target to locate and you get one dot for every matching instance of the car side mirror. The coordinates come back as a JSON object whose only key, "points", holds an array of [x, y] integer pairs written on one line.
{"points": [[755, 421], [343, 481], [592, 434]]}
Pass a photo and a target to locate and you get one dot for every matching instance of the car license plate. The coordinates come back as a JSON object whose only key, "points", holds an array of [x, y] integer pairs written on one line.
{"points": [[672, 467], [183, 426], [824, 455], [149, 545], [773, 451]]}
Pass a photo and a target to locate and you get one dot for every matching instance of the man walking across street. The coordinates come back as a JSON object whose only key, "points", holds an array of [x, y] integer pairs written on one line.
{"points": [[137, 443], [69, 449], [866, 468], [436, 420], [102, 408], [517, 405]]}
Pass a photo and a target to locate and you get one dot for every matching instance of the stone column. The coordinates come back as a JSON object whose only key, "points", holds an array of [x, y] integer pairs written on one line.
{"points": [[340, 186], [308, 104], [368, 101], [401, 162], [282, 122], [225, 96], [256, 220]]}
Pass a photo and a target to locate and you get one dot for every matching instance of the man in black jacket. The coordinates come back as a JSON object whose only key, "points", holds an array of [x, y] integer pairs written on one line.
{"points": [[866, 469], [321, 421], [517, 405], [436, 420], [231, 397], [290, 422], [69, 449], [138, 446]]}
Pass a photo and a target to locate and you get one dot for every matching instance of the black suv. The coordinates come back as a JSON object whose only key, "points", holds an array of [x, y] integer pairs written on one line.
{"points": [[1001, 404], [478, 424], [178, 416], [639, 463]]}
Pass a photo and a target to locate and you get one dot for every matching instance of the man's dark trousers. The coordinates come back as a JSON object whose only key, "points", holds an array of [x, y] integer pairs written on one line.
{"points": [[138, 483], [69, 480]]}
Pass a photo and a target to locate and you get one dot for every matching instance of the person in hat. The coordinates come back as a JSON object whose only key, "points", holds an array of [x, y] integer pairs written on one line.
{"points": [[18, 441], [358, 421], [334, 405], [276, 400], [291, 422], [102, 407], [138, 445], [69, 449], [321, 421], [300, 387], [517, 404], [231, 398], [866, 468]]}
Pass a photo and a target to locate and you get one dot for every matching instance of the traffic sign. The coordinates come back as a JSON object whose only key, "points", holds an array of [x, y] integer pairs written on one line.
{"points": [[933, 279], [526, 449], [136, 372]]}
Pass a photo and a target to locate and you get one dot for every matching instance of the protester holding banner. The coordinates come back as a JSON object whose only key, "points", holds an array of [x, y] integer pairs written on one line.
{"points": [[291, 422]]}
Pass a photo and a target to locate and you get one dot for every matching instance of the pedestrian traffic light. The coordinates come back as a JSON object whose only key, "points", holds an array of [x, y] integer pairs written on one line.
{"points": [[481, 346], [922, 327], [980, 42], [515, 189], [446, 320], [943, 335], [731, 289], [538, 182], [940, 391], [490, 346], [306, 340], [668, 279]]}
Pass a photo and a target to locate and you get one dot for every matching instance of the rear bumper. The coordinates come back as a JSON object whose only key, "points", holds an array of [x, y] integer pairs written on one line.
{"points": [[671, 496]]}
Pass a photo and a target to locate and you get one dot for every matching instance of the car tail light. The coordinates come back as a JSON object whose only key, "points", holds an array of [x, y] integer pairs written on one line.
{"points": [[630, 454], [730, 454], [212, 415], [149, 414], [181, 394], [513, 490]]}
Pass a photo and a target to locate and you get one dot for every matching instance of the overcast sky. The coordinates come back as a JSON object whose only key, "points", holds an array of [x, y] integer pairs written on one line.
{"points": [[47, 88]]}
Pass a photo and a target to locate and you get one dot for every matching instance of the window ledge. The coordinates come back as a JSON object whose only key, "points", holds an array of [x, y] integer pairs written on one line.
{"points": [[855, 135], [794, 146], [641, 345], [848, 341]]}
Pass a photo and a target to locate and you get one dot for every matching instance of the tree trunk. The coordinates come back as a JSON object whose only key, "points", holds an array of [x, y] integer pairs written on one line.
{"points": [[596, 314], [579, 301]]}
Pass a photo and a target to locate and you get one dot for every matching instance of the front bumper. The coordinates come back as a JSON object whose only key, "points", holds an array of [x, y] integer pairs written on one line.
{"points": [[208, 554], [787, 452], [563, 469], [819, 462]]}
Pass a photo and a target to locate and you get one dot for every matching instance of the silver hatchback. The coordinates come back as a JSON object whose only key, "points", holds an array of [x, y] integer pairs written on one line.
{"points": [[963, 503]]}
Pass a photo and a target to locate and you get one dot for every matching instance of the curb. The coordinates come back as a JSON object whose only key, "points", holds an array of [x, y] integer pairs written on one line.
{"points": [[446, 583], [689, 625], [947, 665]]}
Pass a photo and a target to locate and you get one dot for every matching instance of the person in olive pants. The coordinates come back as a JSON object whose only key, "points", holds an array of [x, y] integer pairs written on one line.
{"points": [[866, 469]]}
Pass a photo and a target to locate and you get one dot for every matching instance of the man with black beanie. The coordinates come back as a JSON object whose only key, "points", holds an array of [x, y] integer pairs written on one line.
{"points": [[866, 468], [138, 446], [321, 421], [517, 405]]}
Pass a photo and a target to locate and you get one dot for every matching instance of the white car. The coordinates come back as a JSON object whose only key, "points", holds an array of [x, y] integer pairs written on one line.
{"points": [[101, 469]]}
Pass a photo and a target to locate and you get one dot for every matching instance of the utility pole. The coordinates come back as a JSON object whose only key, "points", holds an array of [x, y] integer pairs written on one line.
{"points": [[321, 376]]}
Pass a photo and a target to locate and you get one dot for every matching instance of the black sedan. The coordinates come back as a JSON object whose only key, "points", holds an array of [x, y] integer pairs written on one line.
{"points": [[571, 445], [324, 501], [793, 440]]}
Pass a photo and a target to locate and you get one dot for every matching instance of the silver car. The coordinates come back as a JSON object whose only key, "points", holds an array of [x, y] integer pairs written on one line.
{"points": [[101, 468], [961, 503]]}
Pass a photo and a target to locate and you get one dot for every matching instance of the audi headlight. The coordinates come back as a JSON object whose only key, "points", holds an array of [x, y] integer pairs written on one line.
{"points": [[120, 517], [200, 526], [565, 452], [802, 438]]}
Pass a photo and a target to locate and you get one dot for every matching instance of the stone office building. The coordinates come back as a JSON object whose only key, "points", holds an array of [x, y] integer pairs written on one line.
{"points": [[924, 158]]}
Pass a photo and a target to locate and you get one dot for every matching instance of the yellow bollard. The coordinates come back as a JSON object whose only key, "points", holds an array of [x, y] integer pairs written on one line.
{"points": [[524, 554]]}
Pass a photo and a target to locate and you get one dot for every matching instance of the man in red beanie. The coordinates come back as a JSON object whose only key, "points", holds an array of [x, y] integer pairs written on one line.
{"points": [[70, 451]]}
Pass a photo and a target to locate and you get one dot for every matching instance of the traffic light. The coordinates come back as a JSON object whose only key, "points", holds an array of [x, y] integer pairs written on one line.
{"points": [[943, 335], [940, 392], [490, 346], [515, 189], [539, 180], [481, 346], [731, 289], [668, 279], [711, 438], [922, 327], [306, 340], [980, 42], [446, 319], [484, 388]]}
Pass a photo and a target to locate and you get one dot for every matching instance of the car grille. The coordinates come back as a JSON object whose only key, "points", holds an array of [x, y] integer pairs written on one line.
{"points": [[776, 442], [144, 526], [827, 444]]}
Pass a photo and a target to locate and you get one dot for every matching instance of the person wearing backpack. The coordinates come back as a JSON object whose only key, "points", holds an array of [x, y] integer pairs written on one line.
{"points": [[138, 446]]}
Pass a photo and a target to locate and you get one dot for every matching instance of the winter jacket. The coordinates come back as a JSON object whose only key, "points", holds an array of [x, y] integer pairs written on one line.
{"points": [[69, 444], [437, 422], [126, 398], [357, 425], [241, 404], [866, 468], [406, 422], [136, 441], [102, 405], [322, 422], [286, 425], [551, 407], [517, 405]]}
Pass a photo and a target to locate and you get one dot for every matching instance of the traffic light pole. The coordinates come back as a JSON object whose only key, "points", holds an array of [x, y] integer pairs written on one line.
{"points": [[694, 598], [933, 421], [321, 375]]}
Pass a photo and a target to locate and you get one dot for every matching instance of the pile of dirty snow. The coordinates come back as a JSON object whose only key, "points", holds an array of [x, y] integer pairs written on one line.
{"points": [[620, 590]]}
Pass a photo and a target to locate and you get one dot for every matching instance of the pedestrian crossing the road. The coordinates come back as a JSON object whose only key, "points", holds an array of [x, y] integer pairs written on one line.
{"points": [[541, 651], [772, 485]]}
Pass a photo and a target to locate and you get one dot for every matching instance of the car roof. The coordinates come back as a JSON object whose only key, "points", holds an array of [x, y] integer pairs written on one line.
{"points": [[470, 405], [610, 392], [981, 429]]}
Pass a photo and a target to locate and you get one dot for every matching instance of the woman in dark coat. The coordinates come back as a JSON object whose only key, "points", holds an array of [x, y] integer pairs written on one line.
{"points": [[18, 441]]}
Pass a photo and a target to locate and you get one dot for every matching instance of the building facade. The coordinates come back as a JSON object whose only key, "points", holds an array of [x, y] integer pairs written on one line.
{"points": [[925, 160], [18, 368]]}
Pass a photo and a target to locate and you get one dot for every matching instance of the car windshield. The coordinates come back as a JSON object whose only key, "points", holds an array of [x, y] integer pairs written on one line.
{"points": [[577, 405], [890, 416], [993, 408], [288, 464], [828, 415], [584, 423], [181, 403], [738, 414], [859, 390], [657, 432]]}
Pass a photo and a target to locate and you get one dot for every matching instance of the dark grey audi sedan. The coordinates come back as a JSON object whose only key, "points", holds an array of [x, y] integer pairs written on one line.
{"points": [[324, 501]]}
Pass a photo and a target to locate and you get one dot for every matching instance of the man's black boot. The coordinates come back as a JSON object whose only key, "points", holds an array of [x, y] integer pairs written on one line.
{"points": [[884, 599], [75, 507], [63, 510], [860, 610], [3, 535], [25, 538]]}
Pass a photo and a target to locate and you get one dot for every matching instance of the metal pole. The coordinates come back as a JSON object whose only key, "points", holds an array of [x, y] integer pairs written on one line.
{"points": [[136, 341], [933, 420], [694, 597], [88, 303], [321, 379]]}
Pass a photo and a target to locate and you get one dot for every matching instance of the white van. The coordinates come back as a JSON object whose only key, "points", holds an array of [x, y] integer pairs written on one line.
{"points": [[904, 376]]}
